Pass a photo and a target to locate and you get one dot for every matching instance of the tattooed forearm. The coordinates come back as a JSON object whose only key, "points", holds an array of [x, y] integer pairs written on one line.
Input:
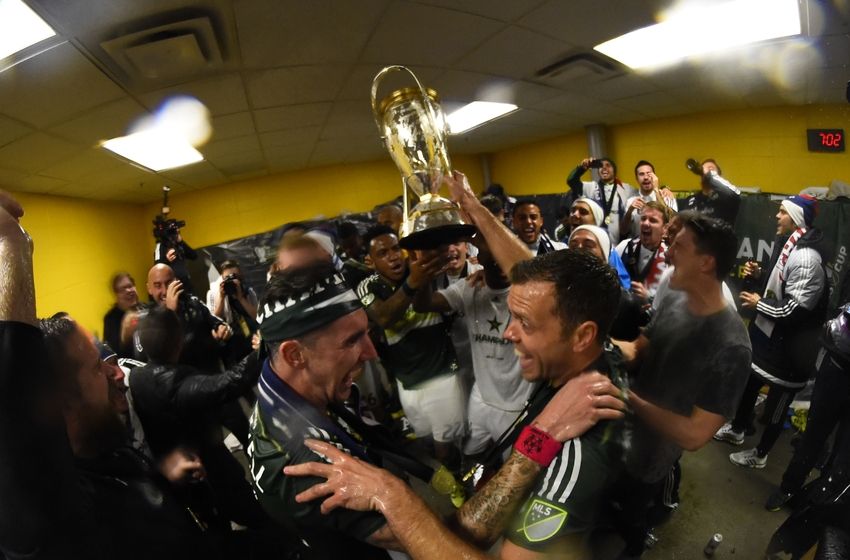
{"points": [[484, 517]]}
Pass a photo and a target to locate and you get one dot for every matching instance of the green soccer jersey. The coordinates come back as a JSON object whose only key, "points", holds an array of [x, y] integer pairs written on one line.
{"points": [[566, 497], [277, 441]]}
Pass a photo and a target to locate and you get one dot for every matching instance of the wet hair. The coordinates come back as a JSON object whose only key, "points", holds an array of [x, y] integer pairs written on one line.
{"points": [[493, 204], [641, 163], [525, 202], [374, 232], [57, 331], [710, 160], [347, 229], [289, 283], [160, 333], [228, 263], [586, 289], [117, 277], [666, 213], [712, 237]]}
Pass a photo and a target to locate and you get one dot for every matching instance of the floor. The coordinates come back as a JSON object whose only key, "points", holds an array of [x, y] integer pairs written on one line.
{"points": [[719, 497]]}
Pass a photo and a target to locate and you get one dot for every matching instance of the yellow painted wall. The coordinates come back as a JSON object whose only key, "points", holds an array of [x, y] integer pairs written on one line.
{"points": [[79, 244], [763, 148], [232, 211]]}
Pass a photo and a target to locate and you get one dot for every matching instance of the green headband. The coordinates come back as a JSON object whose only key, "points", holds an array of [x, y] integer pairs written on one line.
{"points": [[322, 304]]}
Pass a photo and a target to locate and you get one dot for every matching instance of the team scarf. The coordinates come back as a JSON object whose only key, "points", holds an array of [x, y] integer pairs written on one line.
{"points": [[773, 288], [777, 275]]}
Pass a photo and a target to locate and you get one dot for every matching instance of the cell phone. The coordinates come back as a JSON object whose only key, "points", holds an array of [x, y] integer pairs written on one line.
{"points": [[595, 164]]}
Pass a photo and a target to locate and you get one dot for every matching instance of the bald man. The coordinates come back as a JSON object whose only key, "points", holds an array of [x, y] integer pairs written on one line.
{"points": [[203, 331]]}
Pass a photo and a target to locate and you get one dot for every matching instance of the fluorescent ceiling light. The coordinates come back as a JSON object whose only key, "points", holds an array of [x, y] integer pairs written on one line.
{"points": [[476, 113], [699, 30], [20, 27], [155, 149]]}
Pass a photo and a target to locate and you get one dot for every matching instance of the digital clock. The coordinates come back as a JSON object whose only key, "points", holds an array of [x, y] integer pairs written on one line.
{"points": [[825, 139]]}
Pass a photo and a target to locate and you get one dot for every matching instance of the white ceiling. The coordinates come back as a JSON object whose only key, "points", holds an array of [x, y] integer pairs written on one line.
{"points": [[288, 81]]}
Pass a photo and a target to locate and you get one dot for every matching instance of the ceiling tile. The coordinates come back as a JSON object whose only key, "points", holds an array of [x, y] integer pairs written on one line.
{"points": [[84, 165], [35, 152], [222, 95], [350, 118], [503, 11], [54, 86], [358, 85], [233, 125], [515, 52], [289, 137], [289, 86], [292, 156], [441, 36], [12, 130], [577, 21], [101, 123], [230, 146], [201, 174], [291, 116], [275, 33]]}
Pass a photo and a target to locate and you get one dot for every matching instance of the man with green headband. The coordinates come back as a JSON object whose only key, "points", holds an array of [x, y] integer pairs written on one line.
{"points": [[316, 334]]}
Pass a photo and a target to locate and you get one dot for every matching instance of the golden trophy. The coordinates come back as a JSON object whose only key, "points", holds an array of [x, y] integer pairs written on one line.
{"points": [[414, 129]]}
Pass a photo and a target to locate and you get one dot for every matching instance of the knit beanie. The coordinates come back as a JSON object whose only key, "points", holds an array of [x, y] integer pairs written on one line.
{"points": [[802, 208]]}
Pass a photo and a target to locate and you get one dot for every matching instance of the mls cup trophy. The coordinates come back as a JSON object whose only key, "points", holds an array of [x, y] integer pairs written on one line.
{"points": [[413, 128]]}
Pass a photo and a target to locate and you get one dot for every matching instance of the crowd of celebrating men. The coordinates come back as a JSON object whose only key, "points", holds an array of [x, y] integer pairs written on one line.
{"points": [[546, 385]]}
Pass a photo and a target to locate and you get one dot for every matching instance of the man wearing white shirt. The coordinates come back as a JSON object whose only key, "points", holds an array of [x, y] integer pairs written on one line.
{"points": [[649, 191]]}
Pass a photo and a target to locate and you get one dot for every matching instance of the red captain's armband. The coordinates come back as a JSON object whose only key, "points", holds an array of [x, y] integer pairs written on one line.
{"points": [[537, 445]]}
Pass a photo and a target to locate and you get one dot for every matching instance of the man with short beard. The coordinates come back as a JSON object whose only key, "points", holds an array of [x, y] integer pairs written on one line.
{"points": [[649, 191], [787, 324], [644, 255], [72, 487]]}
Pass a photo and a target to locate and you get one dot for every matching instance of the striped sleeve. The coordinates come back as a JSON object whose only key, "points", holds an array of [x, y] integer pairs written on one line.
{"points": [[803, 288]]}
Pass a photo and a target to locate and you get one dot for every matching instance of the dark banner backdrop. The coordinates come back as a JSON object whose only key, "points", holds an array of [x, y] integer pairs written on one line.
{"points": [[756, 228]]}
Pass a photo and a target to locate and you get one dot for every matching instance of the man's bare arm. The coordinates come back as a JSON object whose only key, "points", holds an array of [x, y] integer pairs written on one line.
{"points": [[17, 287], [688, 432], [354, 484], [385, 538], [483, 518], [633, 351], [387, 312], [506, 247], [428, 300], [577, 406]]}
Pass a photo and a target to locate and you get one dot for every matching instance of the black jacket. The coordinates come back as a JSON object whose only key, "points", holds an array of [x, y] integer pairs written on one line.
{"points": [[179, 404], [54, 507]]}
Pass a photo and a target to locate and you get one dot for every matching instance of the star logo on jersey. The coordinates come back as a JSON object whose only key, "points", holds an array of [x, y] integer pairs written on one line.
{"points": [[542, 521], [495, 325]]}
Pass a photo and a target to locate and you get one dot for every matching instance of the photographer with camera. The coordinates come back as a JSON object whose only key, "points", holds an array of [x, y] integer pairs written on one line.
{"points": [[229, 299], [609, 192], [172, 250]]}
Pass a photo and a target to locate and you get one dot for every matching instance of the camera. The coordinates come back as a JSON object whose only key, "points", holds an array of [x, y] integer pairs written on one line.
{"points": [[595, 164], [231, 286], [166, 230]]}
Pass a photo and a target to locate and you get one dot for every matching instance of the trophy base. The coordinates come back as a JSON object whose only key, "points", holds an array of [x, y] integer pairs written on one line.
{"points": [[434, 237]]}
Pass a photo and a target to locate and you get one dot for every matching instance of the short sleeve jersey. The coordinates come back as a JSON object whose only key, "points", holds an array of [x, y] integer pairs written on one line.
{"points": [[418, 347], [567, 496], [277, 442], [485, 315], [692, 361]]}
